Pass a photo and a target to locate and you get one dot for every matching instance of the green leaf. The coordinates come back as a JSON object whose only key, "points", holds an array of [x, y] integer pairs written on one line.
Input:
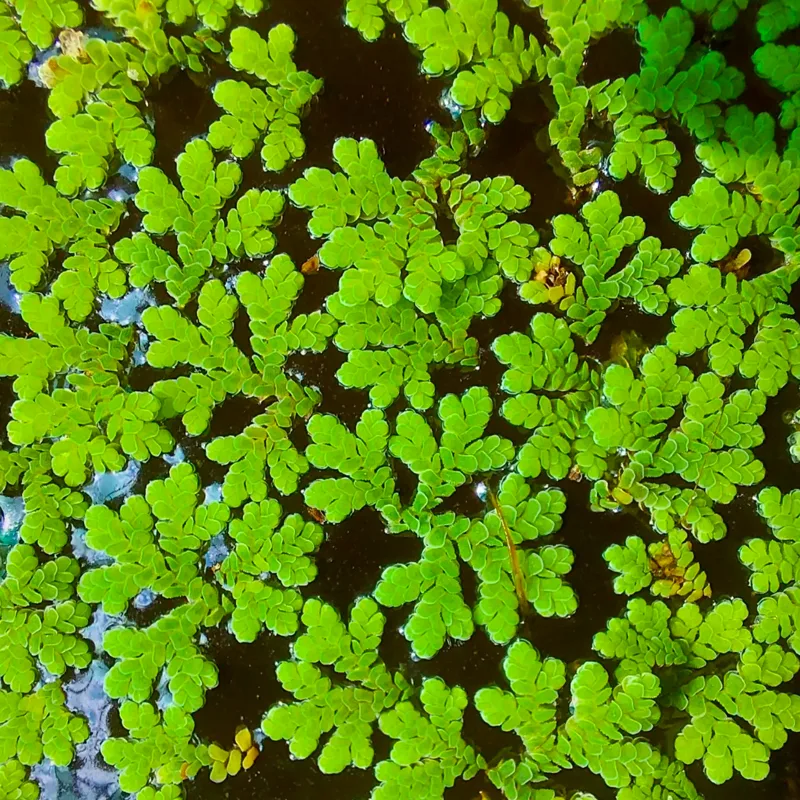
{"points": [[429, 750], [350, 708]]}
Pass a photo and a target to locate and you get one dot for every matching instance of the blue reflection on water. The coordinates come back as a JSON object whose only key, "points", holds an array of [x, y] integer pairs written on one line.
{"points": [[127, 309], [89, 778], [8, 297], [106, 486]]}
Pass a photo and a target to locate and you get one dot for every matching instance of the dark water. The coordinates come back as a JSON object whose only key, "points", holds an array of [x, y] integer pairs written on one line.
{"points": [[375, 90]]}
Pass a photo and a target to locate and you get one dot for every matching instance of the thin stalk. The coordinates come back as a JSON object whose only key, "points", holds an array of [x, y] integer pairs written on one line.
{"points": [[516, 571]]}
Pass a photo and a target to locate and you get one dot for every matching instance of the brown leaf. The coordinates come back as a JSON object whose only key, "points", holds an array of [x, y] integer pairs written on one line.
{"points": [[311, 265]]}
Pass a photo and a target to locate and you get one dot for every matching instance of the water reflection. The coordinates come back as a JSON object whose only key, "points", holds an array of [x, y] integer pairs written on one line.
{"points": [[107, 486], [8, 296], [89, 778], [127, 309]]}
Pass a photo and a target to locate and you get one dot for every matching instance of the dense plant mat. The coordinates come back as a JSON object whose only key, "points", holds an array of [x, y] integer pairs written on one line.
{"points": [[399, 398]]}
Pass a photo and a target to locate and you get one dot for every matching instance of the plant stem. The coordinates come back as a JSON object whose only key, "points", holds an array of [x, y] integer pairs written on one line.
{"points": [[516, 571]]}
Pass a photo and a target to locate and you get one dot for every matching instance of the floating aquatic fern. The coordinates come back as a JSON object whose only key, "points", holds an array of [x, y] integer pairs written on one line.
{"points": [[426, 269], [551, 390], [26, 26], [45, 221], [432, 583], [158, 746], [595, 247], [529, 710], [265, 546], [223, 370], [525, 516], [351, 706], [429, 752], [39, 725], [40, 619], [571, 28], [715, 312], [194, 214], [97, 93], [468, 38], [711, 447], [402, 253], [694, 95], [252, 112]]}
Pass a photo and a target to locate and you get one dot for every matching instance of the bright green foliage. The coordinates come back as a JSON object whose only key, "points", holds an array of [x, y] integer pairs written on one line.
{"points": [[432, 583], [264, 446], [364, 190], [31, 632], [693, 95], [406, 345], [274, 113], [382, 231], [423, 263], [721, 13], [524, 516], [725, 217], [13, 779], [169, 566], [38, 725], [667, 567], [209, 347], [367, 16], [714, 703], [391, 345], [650, 637], [361, 457], [596, 735], [91, 418], [40, 20], [47, 505], [471, 33], [571, 27], [643, 639], [88, 426], [462, 449], [155, 542], [632, 563], [775, 563], [194, 214], [97, 93], [429, 753], [552, 389], [779, 618], [715, 311], [350, 708], [263, 545], [84, 424], [640, 141], [145, 25], [164, 793], [167, 644], [747, 155], [529, 710], [46, 222], [710, 448], [158, 745], [779, 66], [596, 246], [775, 17], [15, 51]]}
